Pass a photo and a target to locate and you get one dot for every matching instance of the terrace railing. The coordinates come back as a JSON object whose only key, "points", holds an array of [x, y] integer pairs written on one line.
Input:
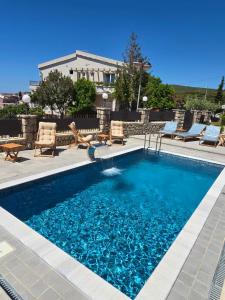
{"points": [[34, 82], [126, 116], [163, 115], [83, 121], [188, 119], [10, 127]]}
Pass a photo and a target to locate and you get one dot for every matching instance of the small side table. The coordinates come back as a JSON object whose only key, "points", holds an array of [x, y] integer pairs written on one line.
{"points": [[12, 150], [103, 137]]}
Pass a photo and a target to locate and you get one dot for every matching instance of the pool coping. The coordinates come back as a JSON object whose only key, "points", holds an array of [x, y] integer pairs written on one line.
{"points": [[164, 276]]}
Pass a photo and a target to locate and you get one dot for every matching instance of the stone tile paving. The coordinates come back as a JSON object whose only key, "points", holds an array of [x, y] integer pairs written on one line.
{"points": [[31, 277], [32, 165], [194, 280], [3, 295]]}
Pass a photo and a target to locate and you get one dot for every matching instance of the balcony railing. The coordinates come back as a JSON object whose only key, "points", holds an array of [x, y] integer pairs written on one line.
{"points": [[34, 83]]}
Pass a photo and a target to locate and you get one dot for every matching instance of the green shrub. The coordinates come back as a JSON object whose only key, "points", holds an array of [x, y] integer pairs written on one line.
{"points": [[38, 111], [222, 120], [11, 111], [199, 103]]}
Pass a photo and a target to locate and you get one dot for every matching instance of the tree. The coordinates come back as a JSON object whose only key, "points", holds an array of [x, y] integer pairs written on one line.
{"points": [[159, 95], [219, 94], [84, 96], [129, 76], [200, 103], [20, 95], [56, 91], [122, 90]]}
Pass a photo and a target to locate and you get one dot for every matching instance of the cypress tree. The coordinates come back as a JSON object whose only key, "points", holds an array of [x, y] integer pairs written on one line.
{"points": [[127, 84], [219, 94]]}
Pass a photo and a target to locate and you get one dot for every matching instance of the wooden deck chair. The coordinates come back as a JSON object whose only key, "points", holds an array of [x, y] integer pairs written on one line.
{"points": [[116, 131], [79, 138], [46, 138]]}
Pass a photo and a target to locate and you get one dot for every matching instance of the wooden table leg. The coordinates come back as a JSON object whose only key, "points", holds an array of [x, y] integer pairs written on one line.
{"points": [[221, 141], [7, 155], [12, 156]]}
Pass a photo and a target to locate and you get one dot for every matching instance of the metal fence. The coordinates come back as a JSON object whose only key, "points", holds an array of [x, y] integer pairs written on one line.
{"points": [[162, 115], [82, 122], [127, 116], [188, 119], [10, 127]]}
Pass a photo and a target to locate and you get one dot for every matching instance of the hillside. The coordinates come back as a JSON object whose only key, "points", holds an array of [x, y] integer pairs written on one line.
{"points": [[183, 91]]}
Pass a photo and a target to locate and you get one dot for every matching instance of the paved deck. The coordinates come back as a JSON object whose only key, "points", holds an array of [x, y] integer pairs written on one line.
{"points": [[30, 165], [35, 279]]}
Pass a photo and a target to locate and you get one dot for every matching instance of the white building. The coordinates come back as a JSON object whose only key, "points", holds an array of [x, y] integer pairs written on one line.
{"points": [[80, 64]]}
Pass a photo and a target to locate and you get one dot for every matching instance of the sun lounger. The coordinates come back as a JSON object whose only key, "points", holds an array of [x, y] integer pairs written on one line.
{"points": [[169, 128], [79, 138], [194, 132], [212, 135]]}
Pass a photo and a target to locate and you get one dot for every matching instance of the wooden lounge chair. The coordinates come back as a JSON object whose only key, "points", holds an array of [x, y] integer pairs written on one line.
{"points": [[46, 138], [79, 138], [116, 131]]}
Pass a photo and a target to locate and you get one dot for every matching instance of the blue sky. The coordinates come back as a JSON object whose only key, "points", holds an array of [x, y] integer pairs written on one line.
{"points": [[184, 40]]}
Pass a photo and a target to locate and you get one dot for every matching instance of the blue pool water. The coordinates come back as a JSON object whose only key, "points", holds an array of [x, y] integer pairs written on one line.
{"points": [[118, 226]]}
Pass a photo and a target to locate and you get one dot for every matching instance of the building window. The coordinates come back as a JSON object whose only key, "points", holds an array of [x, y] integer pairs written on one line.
{"points": [[113, 77], [71, 71], [109, 78], [78, 75]]}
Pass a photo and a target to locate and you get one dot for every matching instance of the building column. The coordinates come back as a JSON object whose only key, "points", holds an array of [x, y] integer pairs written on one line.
{"points": [[144, 115], [197, 116], [29, 129], [208, 115], [103, 114], [179, 117]]}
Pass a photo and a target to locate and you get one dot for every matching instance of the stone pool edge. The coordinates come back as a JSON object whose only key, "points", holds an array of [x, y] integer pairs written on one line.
{"points": [[161, 280]]}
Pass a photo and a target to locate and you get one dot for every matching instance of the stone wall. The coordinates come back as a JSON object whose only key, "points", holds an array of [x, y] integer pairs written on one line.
{"points": [[67, 138], [139, 128], [197, 116], [17, 140], [63, 139]]}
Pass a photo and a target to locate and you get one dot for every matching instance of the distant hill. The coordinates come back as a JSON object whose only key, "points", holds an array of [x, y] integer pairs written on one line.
{"points": [[183, 91]]}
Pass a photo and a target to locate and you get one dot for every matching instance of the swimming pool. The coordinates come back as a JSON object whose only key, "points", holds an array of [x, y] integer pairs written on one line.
{"points": [[120, 227]]}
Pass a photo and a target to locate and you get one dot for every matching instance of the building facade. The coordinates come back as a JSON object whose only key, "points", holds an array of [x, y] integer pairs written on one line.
{"points": [[8, 99], [101, 70]]}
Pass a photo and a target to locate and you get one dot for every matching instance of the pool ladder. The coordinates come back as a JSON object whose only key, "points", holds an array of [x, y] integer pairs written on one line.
{"points": [[148, 142]]}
